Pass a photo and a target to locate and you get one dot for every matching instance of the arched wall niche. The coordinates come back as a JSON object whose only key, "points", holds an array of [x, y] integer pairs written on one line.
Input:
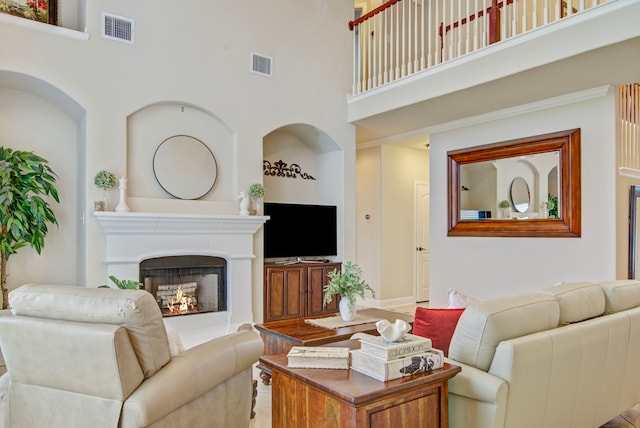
{"points": [[37, 116], [149, 126], [317, 156]]}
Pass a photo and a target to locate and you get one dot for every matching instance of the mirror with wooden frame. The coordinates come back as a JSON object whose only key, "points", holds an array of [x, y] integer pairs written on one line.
{"points": [[480, 177]]}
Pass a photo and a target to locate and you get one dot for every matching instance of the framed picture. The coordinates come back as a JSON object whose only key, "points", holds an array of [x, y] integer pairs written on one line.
{"points": [[37, 10]]}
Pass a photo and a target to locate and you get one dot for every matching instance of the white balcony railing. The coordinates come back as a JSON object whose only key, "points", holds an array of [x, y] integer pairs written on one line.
{"points": [[403, 37], [628, 119]]}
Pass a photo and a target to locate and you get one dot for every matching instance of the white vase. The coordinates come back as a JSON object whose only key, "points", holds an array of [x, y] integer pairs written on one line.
{"points": [[256, 205], [347, 312], [106, 198]]}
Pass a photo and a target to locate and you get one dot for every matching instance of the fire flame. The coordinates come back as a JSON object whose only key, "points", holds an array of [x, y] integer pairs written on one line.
{"points": [[180, 303]]}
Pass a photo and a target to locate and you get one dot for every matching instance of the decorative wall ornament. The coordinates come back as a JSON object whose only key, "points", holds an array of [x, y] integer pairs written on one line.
{"points": [[280, 169]]}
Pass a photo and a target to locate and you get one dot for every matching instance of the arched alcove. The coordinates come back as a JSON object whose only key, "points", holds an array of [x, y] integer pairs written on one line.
{"points": [[302, 164], [37, 116], [150, 126]]}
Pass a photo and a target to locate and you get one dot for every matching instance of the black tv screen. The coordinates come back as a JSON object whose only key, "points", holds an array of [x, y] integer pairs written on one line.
{"points": [[299, 230]]}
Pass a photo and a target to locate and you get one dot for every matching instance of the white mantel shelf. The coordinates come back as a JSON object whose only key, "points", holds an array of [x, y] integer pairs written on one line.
{"points": [[116, 223]]}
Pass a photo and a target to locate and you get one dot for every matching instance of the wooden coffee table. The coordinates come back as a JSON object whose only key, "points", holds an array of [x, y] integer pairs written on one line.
{"points": [[326, 398], [280, 336]]}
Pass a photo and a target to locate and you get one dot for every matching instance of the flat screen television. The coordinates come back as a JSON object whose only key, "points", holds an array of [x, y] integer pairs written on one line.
{"points": [[300, 230]]}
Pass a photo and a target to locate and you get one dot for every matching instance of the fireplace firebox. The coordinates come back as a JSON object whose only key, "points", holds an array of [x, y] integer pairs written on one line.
{"points": [[184, 285]]}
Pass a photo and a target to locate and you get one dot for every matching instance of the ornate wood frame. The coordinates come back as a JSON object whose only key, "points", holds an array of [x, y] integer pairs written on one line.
{"points": [[22, 8], [568, 225]]}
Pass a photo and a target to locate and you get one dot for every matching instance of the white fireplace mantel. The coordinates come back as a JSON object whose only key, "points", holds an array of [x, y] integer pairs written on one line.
{"points": [[132, 237], [115, 223]]}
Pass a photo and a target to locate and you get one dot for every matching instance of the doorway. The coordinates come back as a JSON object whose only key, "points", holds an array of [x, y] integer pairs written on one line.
{"points": [[422, 253]]}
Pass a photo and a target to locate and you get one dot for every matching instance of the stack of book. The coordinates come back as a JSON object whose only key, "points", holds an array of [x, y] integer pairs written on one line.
{"points": [[384, 360], [318, 357]]}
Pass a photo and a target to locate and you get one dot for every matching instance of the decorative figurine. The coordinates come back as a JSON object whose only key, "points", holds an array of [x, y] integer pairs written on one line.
{"points": [[244, 203], [122, 204], [392, 332]]}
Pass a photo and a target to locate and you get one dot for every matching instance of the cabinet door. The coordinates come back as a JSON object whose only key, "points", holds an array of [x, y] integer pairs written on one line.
{"points": [[316, 280], [285, 292]]}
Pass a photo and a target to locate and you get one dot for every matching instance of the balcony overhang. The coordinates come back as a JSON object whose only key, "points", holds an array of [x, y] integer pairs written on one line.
{"points": [[595, 48]]}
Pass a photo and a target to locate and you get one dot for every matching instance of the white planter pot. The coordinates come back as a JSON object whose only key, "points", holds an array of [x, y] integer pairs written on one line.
{"points": [[347, 312]]}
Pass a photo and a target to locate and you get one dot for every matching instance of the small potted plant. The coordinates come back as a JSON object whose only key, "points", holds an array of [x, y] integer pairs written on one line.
{"points": [[552, 206], [256, 191], [348, 284], [546, 206], [105, 181], [505, 208]]}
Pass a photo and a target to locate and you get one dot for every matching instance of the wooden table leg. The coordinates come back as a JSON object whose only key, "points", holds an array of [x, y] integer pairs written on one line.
{"points": [[265, 374]]}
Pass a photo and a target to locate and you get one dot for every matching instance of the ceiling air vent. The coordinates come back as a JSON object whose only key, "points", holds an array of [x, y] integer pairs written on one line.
{"points": [[117, 28], [261, 64]]}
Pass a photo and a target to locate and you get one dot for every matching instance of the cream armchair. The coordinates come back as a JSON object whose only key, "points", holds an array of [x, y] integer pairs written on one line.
{"points": [[86, 357]]}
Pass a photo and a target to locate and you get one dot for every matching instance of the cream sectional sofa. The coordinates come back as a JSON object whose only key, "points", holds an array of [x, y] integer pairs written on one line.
{"points": [[566, 356]]}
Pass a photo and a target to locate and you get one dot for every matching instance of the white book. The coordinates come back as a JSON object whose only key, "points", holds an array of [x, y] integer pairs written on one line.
{"points": [[318, 357], [384, 370], [409, 345]]}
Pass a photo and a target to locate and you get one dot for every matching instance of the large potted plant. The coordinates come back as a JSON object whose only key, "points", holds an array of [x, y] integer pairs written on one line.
{"points": [[24, 214], [348, 283]]}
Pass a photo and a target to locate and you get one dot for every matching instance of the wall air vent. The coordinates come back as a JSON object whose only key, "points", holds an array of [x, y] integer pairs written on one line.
{"points": [[117, 28], [261, 64]]}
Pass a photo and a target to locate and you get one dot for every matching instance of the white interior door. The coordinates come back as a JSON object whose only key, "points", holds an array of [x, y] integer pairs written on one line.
{"points": [[422, 242]]}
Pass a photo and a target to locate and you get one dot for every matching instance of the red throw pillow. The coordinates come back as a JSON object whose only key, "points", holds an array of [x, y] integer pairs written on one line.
{"points": [[438, 324]]}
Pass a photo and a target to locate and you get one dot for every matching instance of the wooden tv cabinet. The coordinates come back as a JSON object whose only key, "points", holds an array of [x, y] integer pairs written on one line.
{"points": [[296, 290]]}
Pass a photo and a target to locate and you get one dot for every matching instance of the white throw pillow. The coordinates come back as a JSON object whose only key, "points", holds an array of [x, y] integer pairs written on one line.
{"points": [[459, 300]]}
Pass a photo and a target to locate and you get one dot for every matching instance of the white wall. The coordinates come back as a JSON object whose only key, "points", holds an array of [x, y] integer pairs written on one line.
{"points": [[369, 203], [386, 241], [27, 123], [487, 267], [184, 53]]}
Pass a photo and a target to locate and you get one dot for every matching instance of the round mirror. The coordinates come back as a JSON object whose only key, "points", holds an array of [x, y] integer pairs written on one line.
{"points": [[520, 197], [184, 167]]}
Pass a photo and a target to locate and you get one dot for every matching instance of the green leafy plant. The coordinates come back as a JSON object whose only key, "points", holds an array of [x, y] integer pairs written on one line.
{"points": [[504, 204], [104, 180], [24, 214], [552, 206], [348, 284], [125, 284], [256, 190]]}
